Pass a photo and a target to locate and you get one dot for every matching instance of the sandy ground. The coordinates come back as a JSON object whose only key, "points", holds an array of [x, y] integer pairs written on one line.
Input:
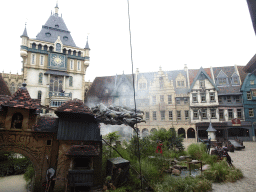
{"points": [[14, 183]]}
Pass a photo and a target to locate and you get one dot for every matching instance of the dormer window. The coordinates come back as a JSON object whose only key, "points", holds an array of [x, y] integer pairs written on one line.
{"points": [[180, 83], [57, 26], [222, 81], [235, 80], [58, 47], [202, 83]]}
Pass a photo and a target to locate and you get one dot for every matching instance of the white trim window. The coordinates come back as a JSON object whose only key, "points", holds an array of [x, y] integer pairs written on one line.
{"points": [[41, 60], [72, 64], [33, 59], [78, 65]]}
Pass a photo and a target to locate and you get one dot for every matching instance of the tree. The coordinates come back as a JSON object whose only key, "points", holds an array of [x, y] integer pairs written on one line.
{"points": [[112, 137], [169, 138]]}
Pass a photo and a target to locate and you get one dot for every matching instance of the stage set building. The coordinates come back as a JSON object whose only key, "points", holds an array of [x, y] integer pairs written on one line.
{"points": [[186, 100], [53, 66]]}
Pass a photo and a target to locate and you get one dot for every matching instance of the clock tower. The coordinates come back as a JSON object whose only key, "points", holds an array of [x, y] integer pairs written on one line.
{"points": [[53, 66]]}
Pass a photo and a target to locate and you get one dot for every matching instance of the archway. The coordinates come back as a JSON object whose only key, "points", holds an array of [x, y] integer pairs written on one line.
{"points": [[35, 162], [191, 133], [181, 132], [145, 132], [153, 130], [162, 129]]}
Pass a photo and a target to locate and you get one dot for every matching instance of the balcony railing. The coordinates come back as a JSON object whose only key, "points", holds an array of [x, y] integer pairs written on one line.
{"points": [[80, 177], [59, 94]]}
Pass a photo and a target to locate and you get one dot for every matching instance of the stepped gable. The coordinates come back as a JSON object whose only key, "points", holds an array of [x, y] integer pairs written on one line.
{"points": [[46, 124], [82, 150], [74, 106], [22, 99], [4, 90]]}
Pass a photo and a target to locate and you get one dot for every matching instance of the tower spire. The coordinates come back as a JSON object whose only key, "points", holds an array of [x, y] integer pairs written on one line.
{"points": [[25, 34], [56, 9], [87, 44]]}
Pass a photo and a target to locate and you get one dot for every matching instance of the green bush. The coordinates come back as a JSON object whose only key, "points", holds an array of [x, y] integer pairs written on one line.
{"points": [[187, 184], [29, 174], [221, 172], [196, 150]]}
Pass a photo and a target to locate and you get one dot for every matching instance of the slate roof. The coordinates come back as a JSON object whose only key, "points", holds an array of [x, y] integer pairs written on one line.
{"points": [[242, 73], [46, 124], [74, 106], [82, 150], [22, 99], [4, 90], [100, 84], [56, 26], [24, 34], [193, 72]]}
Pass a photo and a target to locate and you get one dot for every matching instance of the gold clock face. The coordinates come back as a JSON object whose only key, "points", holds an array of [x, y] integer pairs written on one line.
{"points": [[57, 60]]}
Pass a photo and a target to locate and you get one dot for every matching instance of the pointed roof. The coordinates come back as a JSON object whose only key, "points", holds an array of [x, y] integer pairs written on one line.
{"points": [[210, 128], [54, 27], [22, 99], [74, 106], [195, 78], [87, 44], [25, 34]]}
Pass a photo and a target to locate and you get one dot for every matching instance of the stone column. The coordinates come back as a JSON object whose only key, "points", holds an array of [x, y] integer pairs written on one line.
{"points": [[64, 84]]}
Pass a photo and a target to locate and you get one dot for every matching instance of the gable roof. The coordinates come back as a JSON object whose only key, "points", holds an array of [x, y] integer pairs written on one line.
{"points": [[193, 73], [56, 26], [22, 99], [4, 90], [194, 78]]}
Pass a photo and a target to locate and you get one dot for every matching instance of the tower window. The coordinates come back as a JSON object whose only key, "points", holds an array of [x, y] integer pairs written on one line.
{"points": [[79, 65], [70, 81], [58, 47], [39, 95], [65, 38], [33, 59], [41, 60], [40, 81], [17, 119], [71, 64], [48, 34]]}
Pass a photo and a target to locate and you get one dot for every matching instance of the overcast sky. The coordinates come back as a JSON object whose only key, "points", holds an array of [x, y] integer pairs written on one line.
{"points": [[166, 33]]}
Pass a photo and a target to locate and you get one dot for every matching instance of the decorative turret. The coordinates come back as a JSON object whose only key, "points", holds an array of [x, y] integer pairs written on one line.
{"points": [[24, 37], [211, 132], [56, 9], [87, 49]]}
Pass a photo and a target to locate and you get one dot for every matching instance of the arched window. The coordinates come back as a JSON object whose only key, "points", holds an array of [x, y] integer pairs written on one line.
{"points": [[145, 132], [17, 119], [58, 47], [40, 81], [181, 132], [153, 130], [79, 53], [56, 83], [69, 51], [70, 81], [39, 95], [39, 47], [64, 51], [45, 47], [51, 48], [74, 52], [191, 133], [12, 88], [33, 46]]}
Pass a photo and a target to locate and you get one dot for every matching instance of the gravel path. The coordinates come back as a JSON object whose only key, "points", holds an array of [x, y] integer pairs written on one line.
{"points": [[245, 160]]}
